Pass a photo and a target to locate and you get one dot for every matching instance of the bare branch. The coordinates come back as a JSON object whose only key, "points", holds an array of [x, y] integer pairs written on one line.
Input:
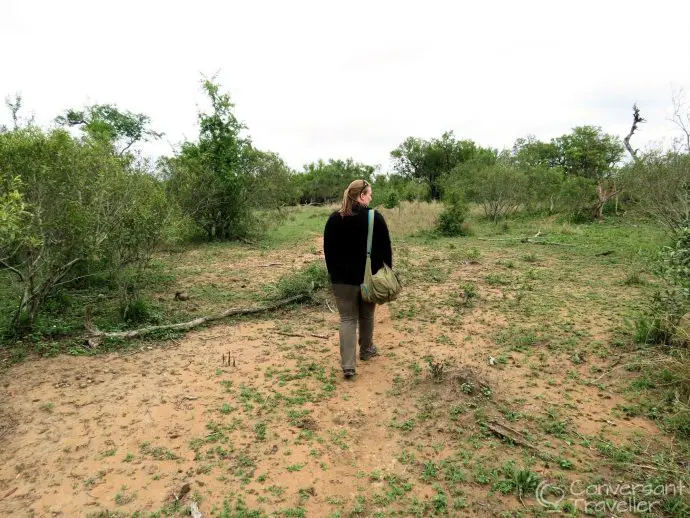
{"points": [[636, 120], [680, 119], [6, 266]]}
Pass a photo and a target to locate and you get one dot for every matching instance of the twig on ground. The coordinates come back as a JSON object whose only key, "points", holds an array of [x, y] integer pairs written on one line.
{"points": [[506, 432], [207, 338], [303, 336], [615, 364]]}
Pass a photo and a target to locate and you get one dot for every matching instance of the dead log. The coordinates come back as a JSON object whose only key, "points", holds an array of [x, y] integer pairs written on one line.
{"points": [[186, 326]]}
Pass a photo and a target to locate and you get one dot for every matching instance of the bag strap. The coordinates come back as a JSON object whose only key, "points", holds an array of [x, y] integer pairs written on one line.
{"points": [[370, 232]]}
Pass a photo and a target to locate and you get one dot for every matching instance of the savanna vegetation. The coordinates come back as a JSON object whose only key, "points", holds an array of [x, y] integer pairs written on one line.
{"points": [[546, 285]]}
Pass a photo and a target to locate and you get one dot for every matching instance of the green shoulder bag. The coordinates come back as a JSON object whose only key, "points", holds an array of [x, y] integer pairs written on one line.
{"points": [[383, 287]]}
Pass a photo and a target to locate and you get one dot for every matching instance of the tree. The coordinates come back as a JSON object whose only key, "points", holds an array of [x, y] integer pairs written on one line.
{"points": [[324, 182], [271, 180], [211, 178], [531, 152], [637, 119], [543, 187], [106, 123], [681, 116], [590, 153], [501, 189], [431, 160]]}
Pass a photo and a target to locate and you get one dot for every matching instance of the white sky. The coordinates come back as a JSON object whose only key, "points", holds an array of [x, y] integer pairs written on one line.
{"points": [[337, 79]]}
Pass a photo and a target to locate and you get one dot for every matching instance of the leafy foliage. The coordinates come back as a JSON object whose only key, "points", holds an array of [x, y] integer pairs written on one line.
{"points": [[451, 220], [210, 178], [431, 160], [324, 182], [660, 184], [306, 281], [107, 124], [71, 207]]}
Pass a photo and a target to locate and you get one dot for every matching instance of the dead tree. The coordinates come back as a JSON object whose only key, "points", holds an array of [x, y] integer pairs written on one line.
{"points": [[637, 119], [681, 115]]}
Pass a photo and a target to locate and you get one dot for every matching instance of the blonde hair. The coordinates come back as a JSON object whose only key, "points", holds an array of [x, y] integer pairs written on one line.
{"points": [[351, 195]]}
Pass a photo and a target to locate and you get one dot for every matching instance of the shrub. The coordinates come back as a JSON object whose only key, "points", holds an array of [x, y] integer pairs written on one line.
{"points": [[392, 200], [306, 281], [451, 220]]}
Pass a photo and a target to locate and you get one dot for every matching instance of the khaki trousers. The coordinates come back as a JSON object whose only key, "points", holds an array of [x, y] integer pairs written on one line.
{"points": [[353, 310]]}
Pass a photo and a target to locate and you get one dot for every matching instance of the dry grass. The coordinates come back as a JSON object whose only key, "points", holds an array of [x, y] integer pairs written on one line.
{"points": [[411, 217]]}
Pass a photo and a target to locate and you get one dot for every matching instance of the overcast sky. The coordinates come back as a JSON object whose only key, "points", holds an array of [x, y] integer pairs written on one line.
{"points": [[337, 79]]}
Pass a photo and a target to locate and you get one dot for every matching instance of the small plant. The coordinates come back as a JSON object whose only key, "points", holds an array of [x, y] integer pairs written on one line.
{"points": [[439, 502], [137, 311], [430, 471], [360, 503], [406, 457], [108, 453], [260, 431], [157, 452], [436, 368], [494, 279], [124, 497], [565, 464], [456, 410], [225, 409], [470, 292], [526, 482], [634, 279]]}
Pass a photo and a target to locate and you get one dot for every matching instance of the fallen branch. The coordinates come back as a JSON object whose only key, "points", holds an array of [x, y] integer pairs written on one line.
{"points": [[269, 264], [613, 366], [529, 240], [303, 336], [9, 493], [207, 338], [516, 437], [185, 326]]}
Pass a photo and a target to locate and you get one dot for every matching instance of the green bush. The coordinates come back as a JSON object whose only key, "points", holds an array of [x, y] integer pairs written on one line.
{"points": [[137, 311], [74, 208], [306, 281], [451, 222], [392, 200]]}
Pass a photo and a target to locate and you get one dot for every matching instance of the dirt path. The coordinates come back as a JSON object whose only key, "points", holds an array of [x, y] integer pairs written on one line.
{"points": [[119, 432]]}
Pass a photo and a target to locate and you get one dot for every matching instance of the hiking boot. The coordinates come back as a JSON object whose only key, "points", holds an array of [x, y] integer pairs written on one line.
{"points": [[349, 373], [369, 353]]}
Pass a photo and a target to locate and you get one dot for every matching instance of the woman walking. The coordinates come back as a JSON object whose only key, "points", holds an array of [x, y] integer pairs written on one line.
{"points": [[345, 248]]}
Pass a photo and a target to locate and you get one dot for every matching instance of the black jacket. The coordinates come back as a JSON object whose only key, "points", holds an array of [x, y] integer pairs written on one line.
{"points": [[345, 246]]}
